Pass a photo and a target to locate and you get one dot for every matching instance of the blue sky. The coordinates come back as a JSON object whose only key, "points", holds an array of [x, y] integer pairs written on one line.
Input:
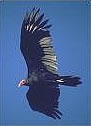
{"points": [[70, 33]]}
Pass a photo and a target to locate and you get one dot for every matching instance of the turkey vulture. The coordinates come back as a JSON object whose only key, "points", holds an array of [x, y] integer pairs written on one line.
{"points": [[43, 79]]}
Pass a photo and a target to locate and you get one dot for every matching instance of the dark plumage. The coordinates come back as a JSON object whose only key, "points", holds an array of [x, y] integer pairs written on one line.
{"points": [[43, 79]]}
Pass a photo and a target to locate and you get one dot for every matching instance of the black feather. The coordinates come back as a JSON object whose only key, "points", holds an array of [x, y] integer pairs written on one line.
{"points": [[44, 99], [43, 79]]}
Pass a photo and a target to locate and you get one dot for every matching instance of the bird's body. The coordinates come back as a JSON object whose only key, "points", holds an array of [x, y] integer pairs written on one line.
{"points": [[43, 79]]}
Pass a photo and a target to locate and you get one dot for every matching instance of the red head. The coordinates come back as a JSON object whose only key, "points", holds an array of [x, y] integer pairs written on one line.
{"points": [[22, 83]]}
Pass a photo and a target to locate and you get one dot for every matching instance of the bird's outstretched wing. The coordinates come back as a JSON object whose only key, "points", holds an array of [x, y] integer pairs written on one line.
{"points": [[37, 49], [44, 99], [36, 42]]}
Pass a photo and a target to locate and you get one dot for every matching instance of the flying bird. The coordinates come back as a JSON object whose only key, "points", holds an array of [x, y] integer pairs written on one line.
{"points": [[43, 78]]}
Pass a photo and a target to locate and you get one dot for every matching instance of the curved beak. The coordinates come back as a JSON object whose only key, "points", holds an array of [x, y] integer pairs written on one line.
{"points": [[19, 85]]}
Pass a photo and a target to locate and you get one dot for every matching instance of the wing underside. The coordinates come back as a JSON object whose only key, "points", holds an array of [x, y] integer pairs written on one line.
{"points": [[36, 42], [44, 99]]}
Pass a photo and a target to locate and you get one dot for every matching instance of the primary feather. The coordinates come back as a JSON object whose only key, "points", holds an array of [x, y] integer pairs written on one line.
{"points": [[43, 80], [36, 43]]}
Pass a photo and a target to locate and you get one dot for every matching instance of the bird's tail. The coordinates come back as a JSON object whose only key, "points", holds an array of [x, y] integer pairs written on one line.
{"points": [[69, 81]]}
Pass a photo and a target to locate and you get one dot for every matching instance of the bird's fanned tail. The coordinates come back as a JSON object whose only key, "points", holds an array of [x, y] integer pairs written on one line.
{"points": [[69, 81]]}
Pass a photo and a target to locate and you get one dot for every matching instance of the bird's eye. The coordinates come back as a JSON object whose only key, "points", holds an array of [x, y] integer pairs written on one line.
{"points": [[23, 81]]}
